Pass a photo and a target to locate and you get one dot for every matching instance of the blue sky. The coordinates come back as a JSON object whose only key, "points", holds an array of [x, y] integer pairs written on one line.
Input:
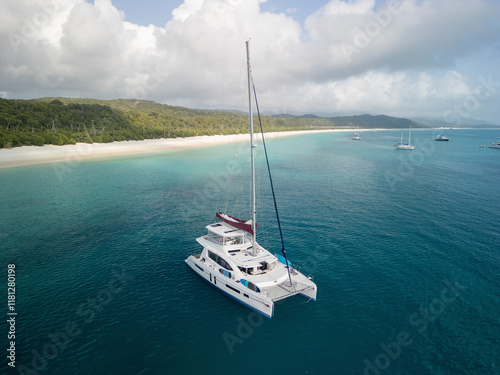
{"points": [[159, 12], [156, 12], [436, 58]]}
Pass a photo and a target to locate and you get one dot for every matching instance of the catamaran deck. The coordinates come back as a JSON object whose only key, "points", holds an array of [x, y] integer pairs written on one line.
{"points": [[283, 290]]}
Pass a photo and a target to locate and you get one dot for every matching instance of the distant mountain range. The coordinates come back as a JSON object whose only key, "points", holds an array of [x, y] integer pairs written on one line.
{"points": [[465, 123], [389, 122]]}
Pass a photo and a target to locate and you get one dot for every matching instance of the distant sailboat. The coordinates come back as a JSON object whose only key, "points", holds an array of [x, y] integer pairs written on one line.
{"points": [[233, 261], [404, 146], [356, 136]]}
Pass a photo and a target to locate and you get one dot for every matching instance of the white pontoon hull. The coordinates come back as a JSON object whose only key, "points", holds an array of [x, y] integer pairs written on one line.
{"points": [[239, 292], [262, 301]]}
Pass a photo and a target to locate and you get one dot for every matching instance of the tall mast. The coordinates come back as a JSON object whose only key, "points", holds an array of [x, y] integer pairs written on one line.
{"points": [[252, 146]]}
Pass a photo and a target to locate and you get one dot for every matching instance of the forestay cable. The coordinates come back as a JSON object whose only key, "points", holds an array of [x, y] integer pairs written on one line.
{"points": [[283, 251]]}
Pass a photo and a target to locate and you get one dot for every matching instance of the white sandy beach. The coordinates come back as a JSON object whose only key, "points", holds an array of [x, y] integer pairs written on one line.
{"points": [[27, 155]]}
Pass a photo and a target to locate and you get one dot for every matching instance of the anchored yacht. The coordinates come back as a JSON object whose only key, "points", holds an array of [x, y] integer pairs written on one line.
{"points": [[404, 146], [356, 136], [495, 145], [442, 138], [233, 261]]}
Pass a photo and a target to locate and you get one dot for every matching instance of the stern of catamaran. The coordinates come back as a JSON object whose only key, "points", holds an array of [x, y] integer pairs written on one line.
{"points": [[301, 285]]}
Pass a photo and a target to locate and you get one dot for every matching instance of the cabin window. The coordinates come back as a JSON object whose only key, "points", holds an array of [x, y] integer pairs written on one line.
{"points": [[212, 256], [244, 270], [220, 261], [230, 287], [225, 272], [253, 287], [234, 240], [212, 237], [224, 264]]}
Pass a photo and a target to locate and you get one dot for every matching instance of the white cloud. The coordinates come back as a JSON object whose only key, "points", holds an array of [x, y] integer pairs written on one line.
{"points": [[348, 56], [188, 9], [400, 94]]}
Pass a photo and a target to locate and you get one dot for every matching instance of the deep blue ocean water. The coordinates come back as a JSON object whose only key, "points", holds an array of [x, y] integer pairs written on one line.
{"points": [[403, 245]]}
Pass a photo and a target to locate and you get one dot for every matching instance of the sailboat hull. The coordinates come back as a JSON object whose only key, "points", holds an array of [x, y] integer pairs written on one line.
{"points": [[405, 147], [261, 300], [233, 289]]}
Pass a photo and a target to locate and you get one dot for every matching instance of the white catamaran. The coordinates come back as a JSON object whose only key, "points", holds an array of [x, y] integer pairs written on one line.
{"points": [[234, 262]]}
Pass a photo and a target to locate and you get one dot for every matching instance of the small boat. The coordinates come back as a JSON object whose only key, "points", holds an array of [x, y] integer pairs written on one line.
{"points": [[356, 136], [442, 138], [233, 261], [495, 145], [404, 146]]}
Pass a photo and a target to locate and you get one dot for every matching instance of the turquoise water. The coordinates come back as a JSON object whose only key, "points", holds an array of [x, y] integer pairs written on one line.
{"points": [[403, 245]]}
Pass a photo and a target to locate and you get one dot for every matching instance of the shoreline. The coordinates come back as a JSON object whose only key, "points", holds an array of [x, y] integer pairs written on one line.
{"points": [[31, 155]]}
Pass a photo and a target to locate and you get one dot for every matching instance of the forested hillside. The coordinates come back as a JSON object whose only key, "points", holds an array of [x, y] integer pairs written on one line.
{"points": [[67, 121], [60, 121]]}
